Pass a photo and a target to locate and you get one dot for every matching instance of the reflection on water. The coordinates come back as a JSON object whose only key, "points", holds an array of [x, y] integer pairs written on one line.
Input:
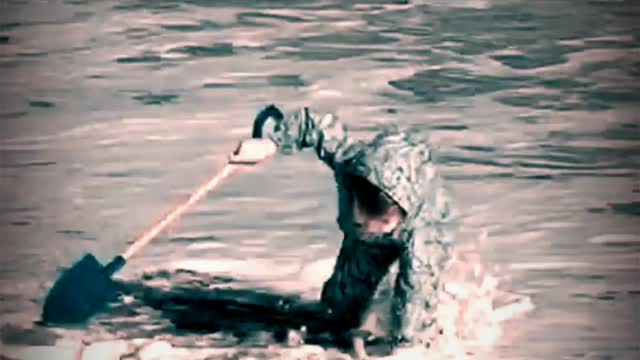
{"points": [[114, 111]]}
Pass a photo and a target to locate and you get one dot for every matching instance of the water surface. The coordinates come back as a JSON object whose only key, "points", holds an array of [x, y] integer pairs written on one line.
{"points": [[114, 111]]}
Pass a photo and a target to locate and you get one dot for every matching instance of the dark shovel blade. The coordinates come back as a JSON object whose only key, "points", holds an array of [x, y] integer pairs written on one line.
{"points": [[81, 291]]}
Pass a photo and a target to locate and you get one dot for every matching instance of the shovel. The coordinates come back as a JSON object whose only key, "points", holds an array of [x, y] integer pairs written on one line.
{"points": [[86, 287]]}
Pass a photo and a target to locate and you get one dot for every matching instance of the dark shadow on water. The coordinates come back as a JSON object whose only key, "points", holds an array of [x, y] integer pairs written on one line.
{"points": [[41, 104], [9, 26], [201, 306], [631, 208], [214, 50], [156, 99], [439, 84], [227, 313], [223, 305], [143, 58]]}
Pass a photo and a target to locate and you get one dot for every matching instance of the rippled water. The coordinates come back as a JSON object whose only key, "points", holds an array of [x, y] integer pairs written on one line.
{"points": [[114, 111]]}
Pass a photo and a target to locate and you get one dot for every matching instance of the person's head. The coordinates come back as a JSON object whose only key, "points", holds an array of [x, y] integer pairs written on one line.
{"points": [[373, 210]]}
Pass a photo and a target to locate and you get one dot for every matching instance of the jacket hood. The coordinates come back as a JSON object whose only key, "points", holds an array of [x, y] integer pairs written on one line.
{"points": [[401, 166]]}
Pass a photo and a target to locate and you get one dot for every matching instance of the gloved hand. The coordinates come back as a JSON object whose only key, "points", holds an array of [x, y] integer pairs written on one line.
{"points": [[252, 151], [258, 149]]}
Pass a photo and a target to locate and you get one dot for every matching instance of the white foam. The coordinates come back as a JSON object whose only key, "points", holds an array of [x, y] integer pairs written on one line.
{"points": [[206, 246], [615, 239], [548, 265], [468, 311], [163, 137]]}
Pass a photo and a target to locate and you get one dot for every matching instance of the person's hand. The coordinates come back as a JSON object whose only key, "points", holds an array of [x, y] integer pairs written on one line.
{"points": [[252, 151]]}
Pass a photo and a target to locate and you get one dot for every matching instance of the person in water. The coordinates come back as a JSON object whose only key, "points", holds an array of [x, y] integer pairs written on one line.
{"points": [[390, 204]]}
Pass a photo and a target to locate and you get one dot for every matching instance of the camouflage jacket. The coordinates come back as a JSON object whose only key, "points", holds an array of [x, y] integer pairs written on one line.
{"points": [[401, 165]]}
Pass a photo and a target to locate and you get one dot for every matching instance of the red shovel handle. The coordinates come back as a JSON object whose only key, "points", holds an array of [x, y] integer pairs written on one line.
{"points": [[197, 195]]}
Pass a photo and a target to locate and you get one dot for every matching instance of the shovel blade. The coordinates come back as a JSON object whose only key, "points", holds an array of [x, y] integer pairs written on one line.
{"points": [[80, 292]]}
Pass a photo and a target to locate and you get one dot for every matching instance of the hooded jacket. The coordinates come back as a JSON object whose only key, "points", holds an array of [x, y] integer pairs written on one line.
{"points": [[400, 164]]}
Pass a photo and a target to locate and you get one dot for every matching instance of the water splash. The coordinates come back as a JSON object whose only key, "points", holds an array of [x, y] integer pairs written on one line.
{"points": [[475, 305]]}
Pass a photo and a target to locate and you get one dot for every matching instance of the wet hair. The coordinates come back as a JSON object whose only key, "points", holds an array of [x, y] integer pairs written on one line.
{"points": [[371, 198]]}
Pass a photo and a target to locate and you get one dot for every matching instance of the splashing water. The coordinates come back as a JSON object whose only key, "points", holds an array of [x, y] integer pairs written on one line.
{"points": [[473, 305]]}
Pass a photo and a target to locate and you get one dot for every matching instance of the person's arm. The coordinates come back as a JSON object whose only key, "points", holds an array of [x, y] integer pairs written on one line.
{"points": [[405, 300], [304, 129], [359, 269], [415, 295], [425, 251]]}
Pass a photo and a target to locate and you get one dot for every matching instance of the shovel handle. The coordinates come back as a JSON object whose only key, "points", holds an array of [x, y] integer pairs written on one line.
{"points": [[197, 195], [234, 164]]}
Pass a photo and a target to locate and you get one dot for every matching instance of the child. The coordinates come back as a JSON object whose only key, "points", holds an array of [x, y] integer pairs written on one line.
{"points": [[388, 195]]}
